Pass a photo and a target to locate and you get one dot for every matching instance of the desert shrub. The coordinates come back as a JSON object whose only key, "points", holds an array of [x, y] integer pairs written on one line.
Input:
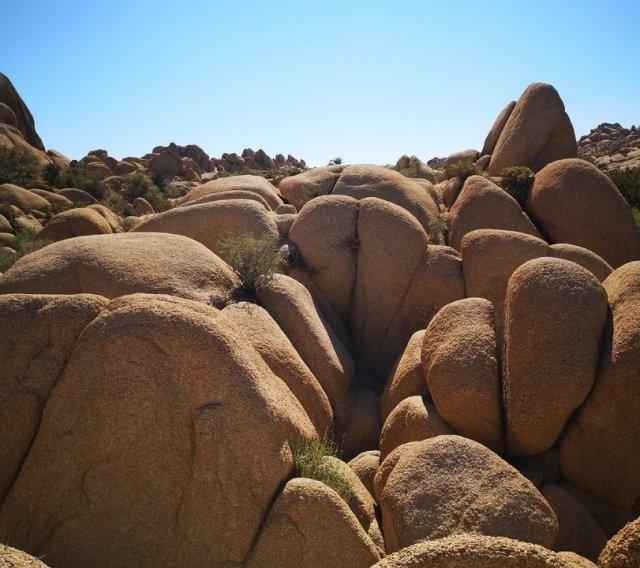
{"points": [[26, 241], [636, 216], [517, 181], [114, 201], [461, 170], [19, 166], [254, 260], [628, 182], [309, 463], [140, 185], [79, 176], [335, 161], [50, 174]]}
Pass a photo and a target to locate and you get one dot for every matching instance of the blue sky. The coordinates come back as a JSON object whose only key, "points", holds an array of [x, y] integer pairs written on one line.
{"points": [[367, 81]]}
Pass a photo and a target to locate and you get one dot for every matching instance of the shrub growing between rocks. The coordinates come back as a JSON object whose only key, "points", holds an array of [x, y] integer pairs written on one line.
{"points": [[254, 260], [309, 463], [461, 170], [628, 183], [140, 185], [517, 181], [79, 176], [26, 241], [18, 166]]}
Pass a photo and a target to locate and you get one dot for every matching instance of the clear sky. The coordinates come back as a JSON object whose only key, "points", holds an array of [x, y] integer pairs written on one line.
{"points": [[364, 80]]}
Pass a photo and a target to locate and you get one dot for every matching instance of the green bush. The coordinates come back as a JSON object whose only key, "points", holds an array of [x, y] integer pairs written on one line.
{"points": [[114, 201], [26, 241], [517, 181], [140, 185], [254, 260], [309, 463], [461, 170], [628, 182], [50, 174], [18, 165], [636, 216], [79, 176], [335, 161]]}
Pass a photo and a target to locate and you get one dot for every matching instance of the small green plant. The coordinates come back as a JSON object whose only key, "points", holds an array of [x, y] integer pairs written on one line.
{"points": [[335, 161], [461, 170], [140, 185], [18, 166], [26, 241], [517, 181], [309, 462], [79, 176], [628, 183], [114, 201], [254, 260], [50, 174]]}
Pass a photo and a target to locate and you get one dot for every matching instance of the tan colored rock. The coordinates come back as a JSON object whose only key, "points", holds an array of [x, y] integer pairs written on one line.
{"points": [[572, 201], [24, 199], [5, 226], [503, 251], [142, 207], [114, 221], [450, 189], [555, 314], [23, 120], [407, 378], [401, 283], [412, 420], [365, 466], [310, 525], [363, 431], [144, 442], [122, 264], [325, 234], [584, 257], [305, 186], [449, 485], [623, 550], [209, 223], [254, 184], [28, 222], [537, 132], [578, 530], [229, 194], [264, 334], [36, 339], [364, 181], [12, 558], [468, 155], [123, 168], [460, 362], [51, 197], [77, 195], [292, 307], [75, 223], [483, 205], [99, 170], [599, 451], [499, 124], [478, 551]]}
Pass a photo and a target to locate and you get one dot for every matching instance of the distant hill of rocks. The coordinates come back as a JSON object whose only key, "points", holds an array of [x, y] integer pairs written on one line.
{"points": [[611, 146]]}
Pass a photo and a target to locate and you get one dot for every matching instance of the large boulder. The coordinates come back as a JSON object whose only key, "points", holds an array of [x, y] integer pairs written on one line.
{"points": [[292, 307], [23, 199], [363, 181], [578, 530], [22, 118], [555, 315], [143, 444], [254, 184], [261, 330], [623, 550], [311, 525], [493, 135], [460, 362], [584, 257], [365, 465], [12, 558], [75, 223], [121, 264], [407, 378], [305, 186], [36, 338], [210, 223], [599, 453], [229, 194], [537, 132], [478, 551], [572, 201], [483, 205], [449, 485]]}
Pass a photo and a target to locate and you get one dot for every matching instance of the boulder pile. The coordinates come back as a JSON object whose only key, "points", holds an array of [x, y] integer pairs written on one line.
{"points": [[353, 368]]}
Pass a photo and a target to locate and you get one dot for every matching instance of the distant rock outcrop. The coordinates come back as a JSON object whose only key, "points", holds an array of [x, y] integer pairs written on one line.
{"points": [[611, 146]]}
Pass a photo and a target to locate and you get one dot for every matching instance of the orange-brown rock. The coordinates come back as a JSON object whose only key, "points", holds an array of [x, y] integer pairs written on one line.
{"points": [[599, 452], [493, 135], [143, 444], [254, 184], [460, 362], [12, 558], [449, 485], [75, 223], [623, 550], [24, 199], [305, 186], [363, 431], [555, 314], [572, 201], [584, 257], [365, 466]]}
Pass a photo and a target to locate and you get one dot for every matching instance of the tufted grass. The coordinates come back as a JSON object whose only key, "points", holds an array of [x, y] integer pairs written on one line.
{"points": [[517, 181], [309, 462], [26, 241]]}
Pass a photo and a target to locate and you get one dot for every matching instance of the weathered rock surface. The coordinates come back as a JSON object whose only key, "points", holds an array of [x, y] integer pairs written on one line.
{"points": [[254, 184], [365, 466], [450, 485], [22, 118], [75, 223], [623, 550]]}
